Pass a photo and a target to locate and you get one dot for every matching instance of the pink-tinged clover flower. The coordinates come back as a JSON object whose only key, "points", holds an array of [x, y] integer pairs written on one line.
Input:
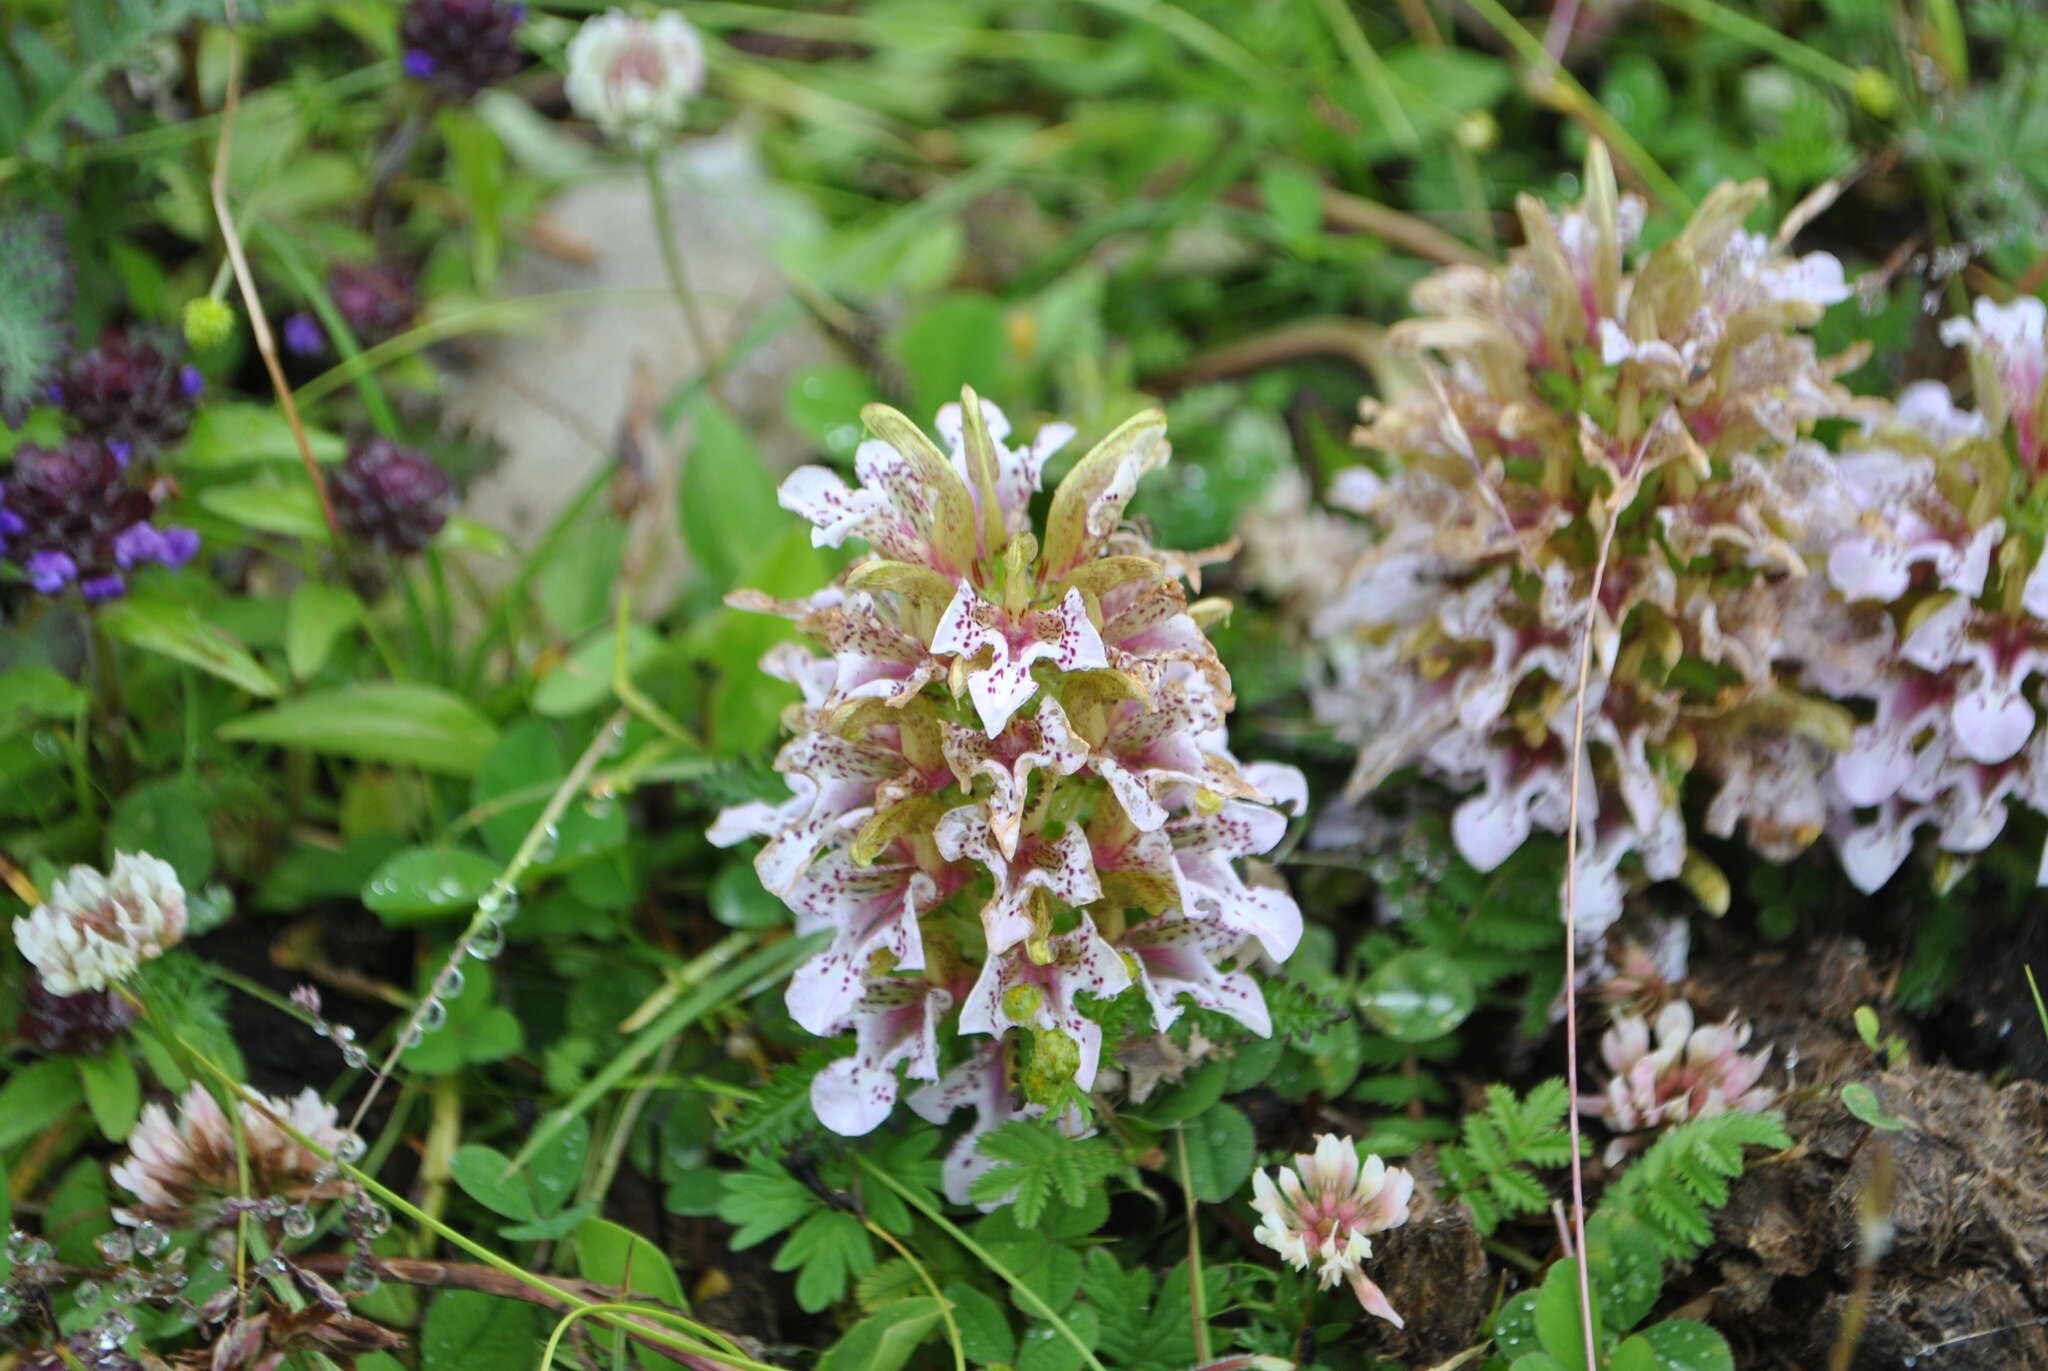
{"points": [[999, 710], [1675, 1073], [1324, 1210], [177, 1163]]}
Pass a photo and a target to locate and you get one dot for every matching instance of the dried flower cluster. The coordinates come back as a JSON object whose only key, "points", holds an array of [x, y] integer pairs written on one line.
{"points": [[1325, 1209], [634, 78], [1616, 448], [1010, 780], [95, 930], [1673, 1074]]}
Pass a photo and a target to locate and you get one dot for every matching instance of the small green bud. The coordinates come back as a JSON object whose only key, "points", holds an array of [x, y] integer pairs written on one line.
{"points": [[1055, 1057], [1477, 131], [1022, 1003], [1875, 92], [208, 322]]}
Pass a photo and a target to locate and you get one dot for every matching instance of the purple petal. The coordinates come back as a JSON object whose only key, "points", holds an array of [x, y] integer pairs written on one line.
{"points": [[50, 572], [102, 588], [137, 543], [180, 545]]}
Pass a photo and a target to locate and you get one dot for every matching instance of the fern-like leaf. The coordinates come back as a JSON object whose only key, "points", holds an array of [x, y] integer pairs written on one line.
{"points": [[1673, 1188], [1489, 1169], [44, 88], [35, 300]]}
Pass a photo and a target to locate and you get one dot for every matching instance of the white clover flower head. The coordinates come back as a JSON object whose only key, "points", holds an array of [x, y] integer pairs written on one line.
{"points": [[633, 77], [94, 930], [1325, 1209], [177, 1163], [1673, 1073], [1030, 721]]}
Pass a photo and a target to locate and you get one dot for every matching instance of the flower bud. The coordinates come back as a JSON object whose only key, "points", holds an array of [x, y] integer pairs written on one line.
{"points": [[208, 322]]}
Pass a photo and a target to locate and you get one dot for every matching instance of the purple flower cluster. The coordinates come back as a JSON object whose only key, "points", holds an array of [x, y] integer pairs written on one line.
{"points": [[375, 299], [130, 393], [461, 46], [72, 516], [390, 496]]}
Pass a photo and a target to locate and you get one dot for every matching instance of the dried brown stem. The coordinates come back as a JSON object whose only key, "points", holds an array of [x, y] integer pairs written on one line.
{"points": [[245, 280], [570, 1293]]}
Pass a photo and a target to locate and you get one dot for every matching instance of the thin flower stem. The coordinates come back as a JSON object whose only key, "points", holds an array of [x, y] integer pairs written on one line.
{"points": [[1025, 1294], [259, 324], [1767, 40], [1198, 1298], [1618, 501], [1575, 101], [679, 281], [504, 885], [1359, 51], [945, 1305]]}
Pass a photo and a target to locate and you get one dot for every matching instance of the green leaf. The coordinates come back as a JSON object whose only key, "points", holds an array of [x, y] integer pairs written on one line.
{"points": [[1861, 1101], [1688, 1345], [270, 506], [1037, 1162], [78, 1211], [461, 534], [527, 762], [824, 403], [762, 1201], [429, 883], [619, 1257], [318, 615], [406, 725], [478, 1029], [1220, 1150], [112, 1091], [584, 677], [166, 819], [1294, 197], [231, 434], [1415, 997], [956, 340], [985, 1333], [174, 629], [883, 1341], [1558, 1322], [29, 693], [36, 1096], [727, 498], [537, 1189], [1043, 1349], [466, 1331], [738, 900], [826, 1251]]}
